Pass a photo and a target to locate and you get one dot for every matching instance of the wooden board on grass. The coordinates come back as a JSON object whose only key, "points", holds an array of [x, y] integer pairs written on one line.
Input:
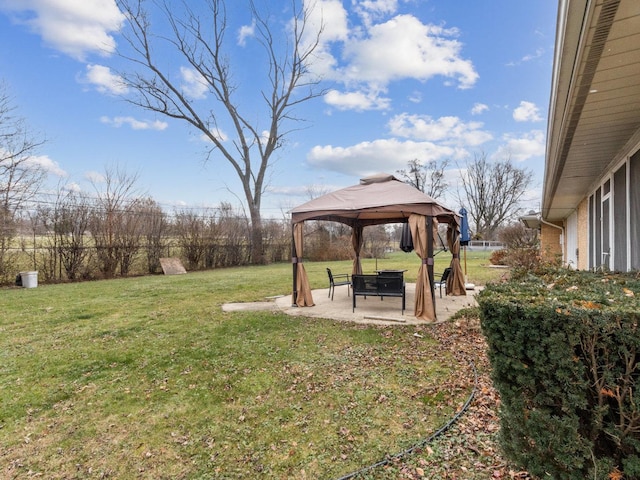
{"points": [[172, 266]]}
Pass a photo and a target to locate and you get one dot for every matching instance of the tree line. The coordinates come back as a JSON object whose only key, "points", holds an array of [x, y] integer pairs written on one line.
{"points": [[118, 233], [76, 237]]}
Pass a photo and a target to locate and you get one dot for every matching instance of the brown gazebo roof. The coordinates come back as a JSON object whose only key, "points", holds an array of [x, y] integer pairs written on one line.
{"points": [[375, 200]]}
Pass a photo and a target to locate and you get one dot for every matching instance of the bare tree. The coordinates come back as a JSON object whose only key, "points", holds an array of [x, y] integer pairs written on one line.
{"points": [[72, 224], [130, 234], [20, 176], [114, 223], [191, 232], [278, 239], [376, 241], [493, 192], [516, 236], [199, 38], [62, 225], [427, 177], [154, 226]]}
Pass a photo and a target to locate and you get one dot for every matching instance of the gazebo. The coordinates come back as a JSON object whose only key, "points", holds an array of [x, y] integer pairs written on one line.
{"points": [[381, 199]]}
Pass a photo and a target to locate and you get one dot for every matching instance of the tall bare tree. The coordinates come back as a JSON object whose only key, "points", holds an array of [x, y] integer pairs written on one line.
{"points": [[63, 224], [114, 226], [20, 176], [72, 224], [200, 39], [191, 232], [492, 191], [427, 177], [155, 227]]}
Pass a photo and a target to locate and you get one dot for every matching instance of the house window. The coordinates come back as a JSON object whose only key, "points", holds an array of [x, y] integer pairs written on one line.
{"points": [[620, 236], [634, 210], [592, 229], [606, 228], [597, 230]]}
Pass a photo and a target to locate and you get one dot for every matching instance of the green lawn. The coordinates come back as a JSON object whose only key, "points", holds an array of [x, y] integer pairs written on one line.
{"points": [[147, 378]]}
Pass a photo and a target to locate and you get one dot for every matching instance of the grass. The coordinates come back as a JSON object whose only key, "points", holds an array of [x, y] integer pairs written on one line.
{"points": [[147, 378]]}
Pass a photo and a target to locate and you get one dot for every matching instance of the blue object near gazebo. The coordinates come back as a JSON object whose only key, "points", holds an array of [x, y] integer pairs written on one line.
{"points": [[465, 238], [464, 228]]}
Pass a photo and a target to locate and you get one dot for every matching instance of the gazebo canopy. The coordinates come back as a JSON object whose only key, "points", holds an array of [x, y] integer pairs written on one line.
{"points": [[381, 199], [378, 199]]}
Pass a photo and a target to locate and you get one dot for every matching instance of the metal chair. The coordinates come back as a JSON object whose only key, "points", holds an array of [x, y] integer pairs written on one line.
{"points": [[443, 280], [338, 280]]}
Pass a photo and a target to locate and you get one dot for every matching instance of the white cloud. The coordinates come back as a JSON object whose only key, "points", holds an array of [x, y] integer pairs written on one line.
{"points": [[446, 130], [105, 81], [73, 27], [298, 190], [45, 163], [246, 31], [479, 108], [134, 124], [378, 156], [527, 112], [415, 97], [95, 177], [379, 6], [527, 58], [532, 56], [522, 148], [358, 101], [370, 10], [376, 54], [332, 18], [72, 187], [403, 47], [195, 86], [218, 133]]}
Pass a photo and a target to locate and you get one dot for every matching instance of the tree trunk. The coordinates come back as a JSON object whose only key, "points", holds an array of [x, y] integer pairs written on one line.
{"points": [[257, 244]]}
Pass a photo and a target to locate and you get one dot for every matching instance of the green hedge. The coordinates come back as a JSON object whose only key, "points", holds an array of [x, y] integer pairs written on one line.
{"points": [[564, 349]]}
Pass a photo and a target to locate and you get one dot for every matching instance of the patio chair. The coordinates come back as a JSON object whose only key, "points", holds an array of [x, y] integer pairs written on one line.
{"points": [[442, 282], [338, 280]]}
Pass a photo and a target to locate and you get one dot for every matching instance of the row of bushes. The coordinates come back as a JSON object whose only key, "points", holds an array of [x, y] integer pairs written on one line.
{"points": [[55, 264], [564, 351]]}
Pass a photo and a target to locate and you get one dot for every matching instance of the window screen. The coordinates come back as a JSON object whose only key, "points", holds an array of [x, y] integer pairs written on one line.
{"points": [[598, 228], [606, 232], [592, 229], [620, 219], [634, 209]]}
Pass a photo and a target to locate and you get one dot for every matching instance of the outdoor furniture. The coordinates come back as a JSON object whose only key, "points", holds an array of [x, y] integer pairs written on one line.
{"points": [[380, 285], [443, 280], [337, 280], [391, 273]]}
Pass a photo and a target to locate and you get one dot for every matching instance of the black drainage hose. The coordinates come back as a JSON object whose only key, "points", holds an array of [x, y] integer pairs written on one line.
{"points": [[427, 440]]}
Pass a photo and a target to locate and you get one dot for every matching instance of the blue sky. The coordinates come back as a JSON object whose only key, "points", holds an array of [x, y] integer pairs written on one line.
{"points": [[405, 79]]}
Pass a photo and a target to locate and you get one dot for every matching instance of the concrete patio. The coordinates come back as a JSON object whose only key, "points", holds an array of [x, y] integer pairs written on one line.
{"points": [[371, 310]]}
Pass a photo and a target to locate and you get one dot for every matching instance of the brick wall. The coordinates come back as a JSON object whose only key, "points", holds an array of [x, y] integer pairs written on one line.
{"points": [[550, 247], [583, 239]]}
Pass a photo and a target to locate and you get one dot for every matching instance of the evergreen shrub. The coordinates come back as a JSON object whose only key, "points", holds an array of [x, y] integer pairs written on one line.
{"points": [[564, 350]]}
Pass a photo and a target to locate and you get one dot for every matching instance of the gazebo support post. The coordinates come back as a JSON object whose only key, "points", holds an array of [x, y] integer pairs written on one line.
{"points": [[430, 256], [294, 263]]}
